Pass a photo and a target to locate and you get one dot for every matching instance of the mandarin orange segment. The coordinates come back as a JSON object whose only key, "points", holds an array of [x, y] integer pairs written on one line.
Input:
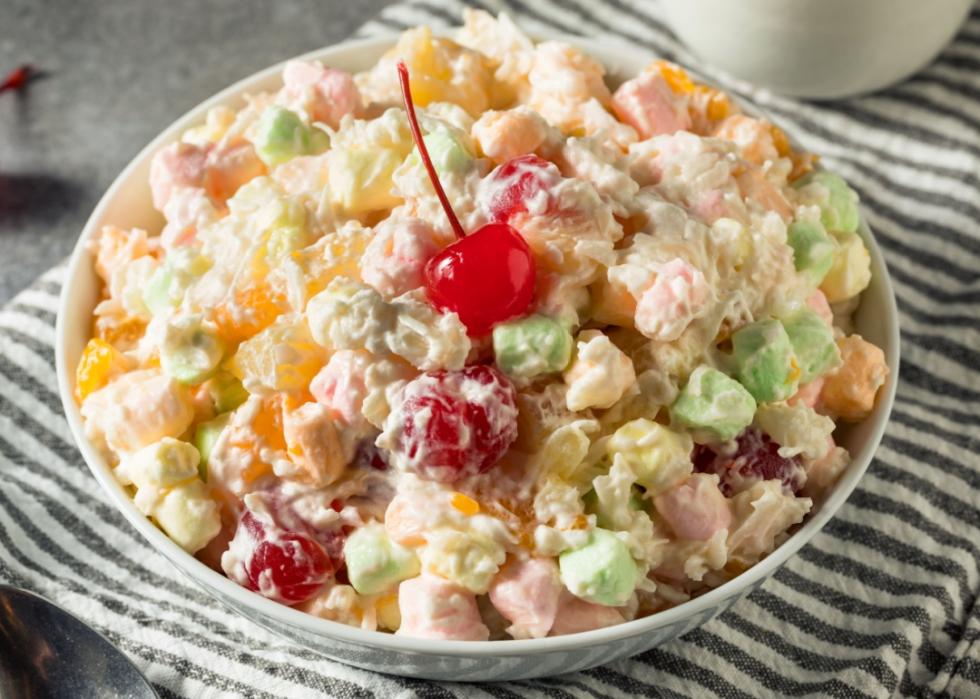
{"points": [[257, 306], [95, 368], [126, 333], [675, 77], [465, 504]]}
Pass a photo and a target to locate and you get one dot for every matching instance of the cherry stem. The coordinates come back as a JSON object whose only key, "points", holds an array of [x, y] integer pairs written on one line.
{"points": [[16, 78], [413, 123]]}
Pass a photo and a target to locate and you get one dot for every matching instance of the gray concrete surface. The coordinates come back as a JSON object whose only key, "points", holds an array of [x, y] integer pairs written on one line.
{"points": [[118, 72]]}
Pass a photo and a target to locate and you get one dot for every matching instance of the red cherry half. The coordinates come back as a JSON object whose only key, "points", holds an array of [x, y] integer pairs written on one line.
{"points": [[289, 567], [457, 423], [521, 185], [486, 277]]}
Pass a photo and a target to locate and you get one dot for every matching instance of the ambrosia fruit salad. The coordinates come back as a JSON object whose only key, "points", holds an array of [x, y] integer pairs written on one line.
{"points": [[476, 345]]}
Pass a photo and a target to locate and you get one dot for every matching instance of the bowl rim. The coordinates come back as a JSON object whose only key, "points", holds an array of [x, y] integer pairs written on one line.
{"points": [[225, 589]]}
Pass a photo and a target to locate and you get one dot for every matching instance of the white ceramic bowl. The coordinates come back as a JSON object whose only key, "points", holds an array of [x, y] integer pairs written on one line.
{"points": [[127, 204], [823, 49]]}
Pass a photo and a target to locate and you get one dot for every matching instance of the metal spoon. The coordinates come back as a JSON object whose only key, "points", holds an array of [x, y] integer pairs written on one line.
{"points": [[47, 652]]}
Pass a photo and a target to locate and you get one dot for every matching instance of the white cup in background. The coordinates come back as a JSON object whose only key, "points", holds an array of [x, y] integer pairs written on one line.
{"points": [[821, 49]]}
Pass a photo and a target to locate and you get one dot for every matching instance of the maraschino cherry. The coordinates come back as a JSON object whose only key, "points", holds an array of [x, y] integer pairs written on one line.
{"points": [[486, 277]]}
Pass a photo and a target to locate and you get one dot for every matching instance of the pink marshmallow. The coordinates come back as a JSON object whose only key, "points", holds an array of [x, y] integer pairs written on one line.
{"points": [[327, 95], [526, 593], [229, 167], [339, 386], [808, 394], [432, 607], [695, 509], [677, 296], [649, 105], [405, 519], [818, 302], [395, 258], [710, 206], [187, 210], [177, 165], [575, 615]]}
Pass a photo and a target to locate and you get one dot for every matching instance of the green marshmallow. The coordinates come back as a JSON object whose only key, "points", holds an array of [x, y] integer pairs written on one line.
{"points": [[531, 346], [190, 351], [813, 343], [839, 212], [813, 249], [602, 518], [165, 288], [447, 153], [375, 562], [766, 364], [715, 407], [226, 391], [205, 437], [282, 135], [602, 571]]}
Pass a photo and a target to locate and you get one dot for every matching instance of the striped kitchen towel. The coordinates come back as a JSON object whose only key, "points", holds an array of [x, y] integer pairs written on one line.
{"points": [[881, 603]]}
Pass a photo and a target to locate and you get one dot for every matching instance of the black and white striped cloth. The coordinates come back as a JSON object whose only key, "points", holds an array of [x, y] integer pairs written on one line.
{"points": [[883, 602]]}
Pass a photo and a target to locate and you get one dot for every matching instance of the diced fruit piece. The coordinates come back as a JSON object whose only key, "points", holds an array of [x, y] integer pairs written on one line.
{"points": [[442, 70], [714, 406], [452, 424], [190, 350], [765, 362], [375, 562], [313, 442], [286, 566], [813, 249], [361, 179], [838, 202], [226, 391], [659, 456], [137, 409], [205, 437], [506, 135], [282, 135], [283, 357], [532, 346], [850, 272], [469, 559], [519, 186], [813, 344], [602, 571], [849, 393], [756, 458], [599, 375], [99, 363]]}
